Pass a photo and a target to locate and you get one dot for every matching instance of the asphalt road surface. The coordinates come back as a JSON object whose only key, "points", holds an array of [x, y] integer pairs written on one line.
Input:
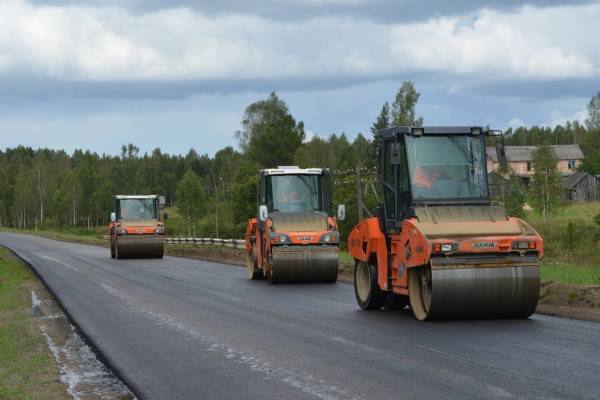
{"points": [[187, 329]]}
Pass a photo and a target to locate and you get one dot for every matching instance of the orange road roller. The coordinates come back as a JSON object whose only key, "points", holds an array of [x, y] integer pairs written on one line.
{"points": [[136, 229], [437, 243], [294, 238]]}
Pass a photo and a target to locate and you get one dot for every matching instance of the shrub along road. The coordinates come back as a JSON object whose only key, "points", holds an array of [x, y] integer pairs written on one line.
{"points": [[181, 328]]}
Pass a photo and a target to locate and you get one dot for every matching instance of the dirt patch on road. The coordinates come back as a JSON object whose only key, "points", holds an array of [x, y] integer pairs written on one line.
{"points": [[571, 301]]}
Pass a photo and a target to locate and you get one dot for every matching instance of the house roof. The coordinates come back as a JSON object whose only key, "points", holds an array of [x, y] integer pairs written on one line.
{"points": [[573, 180], [524, 153]]}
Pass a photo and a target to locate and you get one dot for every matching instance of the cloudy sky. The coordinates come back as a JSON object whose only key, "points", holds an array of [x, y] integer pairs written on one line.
{"points": [[179, 73]]}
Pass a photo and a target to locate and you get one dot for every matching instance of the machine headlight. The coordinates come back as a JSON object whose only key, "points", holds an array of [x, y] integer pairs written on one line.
{"points": [[329, 238], [122, 231], [524, 245], [275, 238], [444, 247]]}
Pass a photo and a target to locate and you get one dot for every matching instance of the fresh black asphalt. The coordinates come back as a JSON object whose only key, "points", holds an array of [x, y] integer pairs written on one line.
{"points": [[185, 329]]}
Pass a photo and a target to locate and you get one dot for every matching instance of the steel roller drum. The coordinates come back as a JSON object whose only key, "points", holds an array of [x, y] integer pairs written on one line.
{"points": [[140, 246], [300, 264], [481, 291]]}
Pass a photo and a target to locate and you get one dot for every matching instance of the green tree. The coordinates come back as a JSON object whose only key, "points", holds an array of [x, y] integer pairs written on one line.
{"points": [[382, 121], [591, 151], [403, 108], [546, 187], [6, 193], [515, 199], [315, 153], [270, 135], [23, 206], [593, 109], [41, 182], [190, 199]]}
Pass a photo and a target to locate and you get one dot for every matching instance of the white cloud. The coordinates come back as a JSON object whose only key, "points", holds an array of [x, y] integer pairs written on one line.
{"points": [[109, 43], [558, 118], [515, 122], [309, 135]]}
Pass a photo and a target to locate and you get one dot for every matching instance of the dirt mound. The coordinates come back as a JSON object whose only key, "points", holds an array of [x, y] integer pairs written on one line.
{"points": [[571, 301]]}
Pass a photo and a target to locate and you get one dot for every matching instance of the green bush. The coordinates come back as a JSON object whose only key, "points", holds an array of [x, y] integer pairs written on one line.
{"points": [[515, 199]]}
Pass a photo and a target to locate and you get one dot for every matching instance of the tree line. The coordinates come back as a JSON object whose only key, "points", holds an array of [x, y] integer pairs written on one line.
{"points": [[50, 189]]}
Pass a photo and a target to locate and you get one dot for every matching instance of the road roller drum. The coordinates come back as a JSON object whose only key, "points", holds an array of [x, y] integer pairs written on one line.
{"points": [[139, 246], [303, 264], [471, 292]]}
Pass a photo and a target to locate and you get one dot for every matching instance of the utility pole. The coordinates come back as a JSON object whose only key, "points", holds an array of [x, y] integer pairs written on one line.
{"points": [[359, 194], [217, 219], [547, 195]]}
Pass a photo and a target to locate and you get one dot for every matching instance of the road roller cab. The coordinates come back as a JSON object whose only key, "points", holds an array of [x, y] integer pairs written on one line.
{"points": [[136, 229], [437, 243], [294, 237]]}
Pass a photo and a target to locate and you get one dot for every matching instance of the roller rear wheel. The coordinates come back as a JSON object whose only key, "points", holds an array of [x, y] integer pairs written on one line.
{"points": [[252, 264], [368, 294], [420, 287], [272, 276]]}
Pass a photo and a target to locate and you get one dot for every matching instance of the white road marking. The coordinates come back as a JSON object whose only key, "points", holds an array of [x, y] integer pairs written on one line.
{"points": [[340, 339], [307, 383], [40, 255], [115, 292]]}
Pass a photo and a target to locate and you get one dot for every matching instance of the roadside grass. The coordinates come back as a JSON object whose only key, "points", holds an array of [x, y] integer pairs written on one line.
{"points": [[568, 273], [571, 241], [346, 258], [68, 234], [27, 370], [176, 225], [569, 212]]}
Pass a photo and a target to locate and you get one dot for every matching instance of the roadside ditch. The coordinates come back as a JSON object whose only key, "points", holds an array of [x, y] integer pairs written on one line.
{"points": [[72, 368]]}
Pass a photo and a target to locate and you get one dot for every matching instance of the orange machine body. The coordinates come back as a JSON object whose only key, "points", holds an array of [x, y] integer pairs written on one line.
{"points": [[294, 237], [133, 235], [266, 241], [417, 244]]}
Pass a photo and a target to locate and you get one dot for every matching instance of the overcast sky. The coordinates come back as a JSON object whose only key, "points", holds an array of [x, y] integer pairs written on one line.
{"points": [[178, 74]]}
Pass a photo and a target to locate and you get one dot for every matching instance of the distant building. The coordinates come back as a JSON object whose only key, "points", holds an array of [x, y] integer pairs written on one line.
{"points": [[582, 187], [579, 186], [520, 159]]}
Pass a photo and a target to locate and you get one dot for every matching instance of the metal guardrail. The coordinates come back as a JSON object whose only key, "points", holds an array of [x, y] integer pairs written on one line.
{"points": [[233, 243]]}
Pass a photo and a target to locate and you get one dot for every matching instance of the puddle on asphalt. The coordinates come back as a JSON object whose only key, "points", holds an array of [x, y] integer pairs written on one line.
{"points": [[87, 377]]}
